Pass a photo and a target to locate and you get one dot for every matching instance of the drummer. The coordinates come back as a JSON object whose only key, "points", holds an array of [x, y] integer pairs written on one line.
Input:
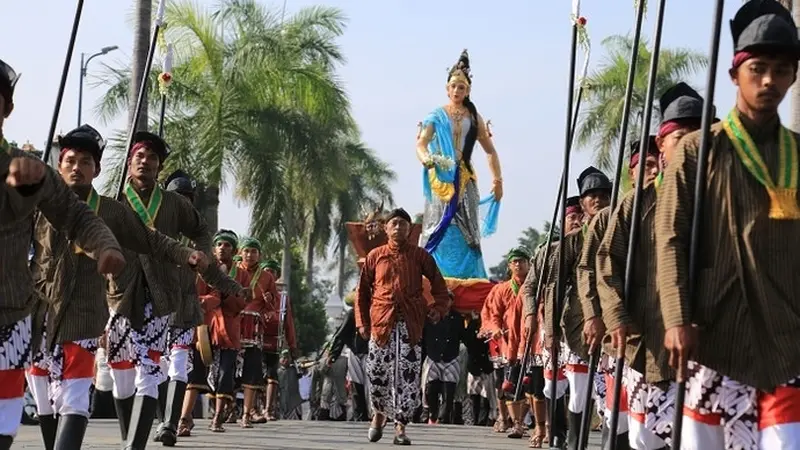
{"points": [[265, 294]]}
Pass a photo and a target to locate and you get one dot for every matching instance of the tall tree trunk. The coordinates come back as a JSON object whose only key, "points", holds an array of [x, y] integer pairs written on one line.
{"points": [[141, 45], [288, 236], [341, 254], [207, 203], [311, 242]]}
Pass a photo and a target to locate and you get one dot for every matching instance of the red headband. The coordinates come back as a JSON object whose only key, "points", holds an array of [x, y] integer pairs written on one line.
{"points": [[739, 58], [140, 145], [668, 127], [574, 209]]}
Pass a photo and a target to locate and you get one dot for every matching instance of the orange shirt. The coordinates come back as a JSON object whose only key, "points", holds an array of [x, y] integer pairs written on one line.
{"points": [[503, 311], [222, 315], [390, 288]]}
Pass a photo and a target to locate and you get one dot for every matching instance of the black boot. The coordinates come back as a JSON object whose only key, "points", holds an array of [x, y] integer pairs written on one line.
{"points": [[124, 406], [71, 430], [448, 397], [324, 414], [167, 434], [144, 411], [476, 409], [558, 423], [103, 405], [360, 413], [622, 442], [161, 410], [432, 393], [5, 442], [48, 425], [574, 425], [458, 413]]}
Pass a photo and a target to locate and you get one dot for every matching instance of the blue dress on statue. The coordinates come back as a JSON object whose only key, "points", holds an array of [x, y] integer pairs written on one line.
{"points": [[452, 225]]}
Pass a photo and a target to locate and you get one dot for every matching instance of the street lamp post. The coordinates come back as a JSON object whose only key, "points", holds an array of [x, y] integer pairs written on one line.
{"points": [[84, 65]]}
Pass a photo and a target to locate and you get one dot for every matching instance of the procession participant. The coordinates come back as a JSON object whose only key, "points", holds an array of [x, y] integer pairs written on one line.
{"points": [[75, 309], [265, 293], [225, 326], [479, 372], [347, 335], [390, 312], [594, 329], [145, 295], [30, 184], [440, 367], [573, 215], [503, 313], [636, 325], [595, 191], [739, 331], [494, 343], [272, 337], [180, 336]]}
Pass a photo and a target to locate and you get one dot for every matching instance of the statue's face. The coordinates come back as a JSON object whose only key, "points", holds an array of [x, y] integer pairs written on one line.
{"points": [[457, 90]]}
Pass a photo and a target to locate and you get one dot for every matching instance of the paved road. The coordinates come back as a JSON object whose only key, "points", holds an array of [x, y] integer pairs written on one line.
{"points": [[285, 435]]}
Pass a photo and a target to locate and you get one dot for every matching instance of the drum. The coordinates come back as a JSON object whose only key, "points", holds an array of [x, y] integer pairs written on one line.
{"points": [[204, 345], [252, 329]]}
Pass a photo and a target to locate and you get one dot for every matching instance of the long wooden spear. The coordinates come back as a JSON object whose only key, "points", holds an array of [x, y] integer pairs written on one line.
{"points": [[623, 134], [561, 280], [142, 91], [633, 237], [699, 205], [64, 75], [546, 257]]}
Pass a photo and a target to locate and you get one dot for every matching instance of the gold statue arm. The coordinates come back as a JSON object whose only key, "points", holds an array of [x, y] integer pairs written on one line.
{"points": [[424, 137], [485, 139]]}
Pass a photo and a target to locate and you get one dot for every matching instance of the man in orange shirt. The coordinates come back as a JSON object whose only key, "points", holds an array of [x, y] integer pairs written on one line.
{"points": [[265, 294], [390, 311], [224, 323]]}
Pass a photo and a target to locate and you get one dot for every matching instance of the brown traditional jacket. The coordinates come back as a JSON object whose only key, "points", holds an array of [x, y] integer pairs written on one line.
{"points": [[572, 316], [188, 313], [530, 304], [502, 311], [587, 271], [63, 209], [747, 301], [76, 293], [645, 351], [175, 217]]}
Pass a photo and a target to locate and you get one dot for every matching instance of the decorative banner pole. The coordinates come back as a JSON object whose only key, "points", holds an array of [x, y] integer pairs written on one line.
{"points": [[142, 92], [699, 205], [164, 81], [623, 134], [64, 74], [636, 214]]}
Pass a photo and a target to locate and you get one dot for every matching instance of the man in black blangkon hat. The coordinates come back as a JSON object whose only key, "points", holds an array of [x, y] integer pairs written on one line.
{"points": [[739, 329]]}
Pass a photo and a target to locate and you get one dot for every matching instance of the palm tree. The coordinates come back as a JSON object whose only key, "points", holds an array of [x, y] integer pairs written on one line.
{"points": [[599, 126], [141, 46], [250, 92]]}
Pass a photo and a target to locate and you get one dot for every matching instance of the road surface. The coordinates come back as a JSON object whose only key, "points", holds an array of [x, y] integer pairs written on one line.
{"points": [[289, 435]]}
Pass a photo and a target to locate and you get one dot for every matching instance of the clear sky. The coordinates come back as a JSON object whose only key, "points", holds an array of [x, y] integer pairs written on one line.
{"points": [[398, 53]]}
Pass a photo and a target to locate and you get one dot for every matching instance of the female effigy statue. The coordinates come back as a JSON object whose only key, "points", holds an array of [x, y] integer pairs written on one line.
{"points": [[452, 225]]}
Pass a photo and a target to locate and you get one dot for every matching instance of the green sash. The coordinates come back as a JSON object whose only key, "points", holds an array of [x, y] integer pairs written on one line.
{"points": [[659, 179], [783, 196], [147, 213], [234, 270], [514, 286], [93, 200], [256, 276]]}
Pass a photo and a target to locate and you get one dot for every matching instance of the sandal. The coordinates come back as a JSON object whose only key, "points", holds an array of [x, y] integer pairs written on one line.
{"points": [[244, 422], [185, 426], [256, 417], [517, 431], [216, 424], [500, 425]]}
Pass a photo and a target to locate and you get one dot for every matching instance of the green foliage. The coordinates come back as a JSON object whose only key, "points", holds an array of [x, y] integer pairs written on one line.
{"points": [[308, 307], [530, 239], [599, 127]]}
